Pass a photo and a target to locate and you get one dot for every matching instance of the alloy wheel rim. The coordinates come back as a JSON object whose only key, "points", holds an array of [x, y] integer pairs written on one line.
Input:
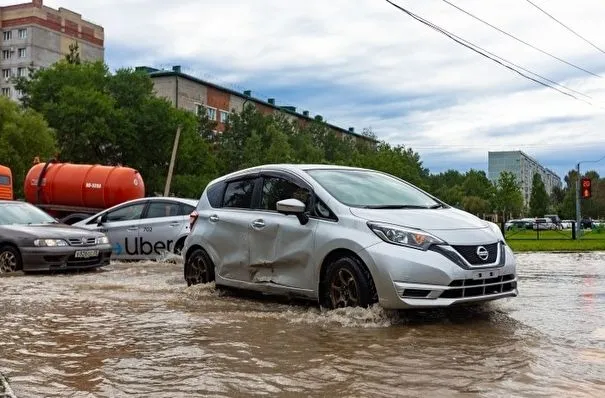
{"points": [[198, 272], [8, 262], [343, 289]]}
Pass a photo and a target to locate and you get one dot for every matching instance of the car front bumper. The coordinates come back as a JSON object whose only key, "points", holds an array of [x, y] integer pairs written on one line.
{"points": [[60, 258], [411, 278]]}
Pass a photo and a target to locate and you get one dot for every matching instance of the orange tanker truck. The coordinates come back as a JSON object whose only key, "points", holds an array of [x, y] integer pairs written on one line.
{"points": [[6, 183], [73, 192]]}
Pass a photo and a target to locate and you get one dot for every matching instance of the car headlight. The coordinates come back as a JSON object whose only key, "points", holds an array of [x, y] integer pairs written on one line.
{"points": [[102, 240], [50, 242], [496, 229], [402, 236]]}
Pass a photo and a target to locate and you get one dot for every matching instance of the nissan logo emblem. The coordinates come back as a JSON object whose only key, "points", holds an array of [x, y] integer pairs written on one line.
{"points": [[482, 253]]}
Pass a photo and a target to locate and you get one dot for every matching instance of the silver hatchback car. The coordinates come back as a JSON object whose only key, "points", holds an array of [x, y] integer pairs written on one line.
{"points": [[344, 237]]}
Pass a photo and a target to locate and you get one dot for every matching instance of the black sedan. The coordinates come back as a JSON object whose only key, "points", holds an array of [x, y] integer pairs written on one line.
{"points": [[32, 240]]}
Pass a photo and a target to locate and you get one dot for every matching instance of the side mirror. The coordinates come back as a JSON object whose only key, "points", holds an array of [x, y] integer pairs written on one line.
{"points": [[293, 207], [101, 219]]}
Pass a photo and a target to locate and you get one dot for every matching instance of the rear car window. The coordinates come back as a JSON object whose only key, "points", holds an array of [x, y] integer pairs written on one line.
{"points": [[5, 180], [215, 194]]}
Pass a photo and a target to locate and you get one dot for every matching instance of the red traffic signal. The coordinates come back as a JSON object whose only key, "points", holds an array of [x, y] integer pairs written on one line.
{"points": [[586, 188]]}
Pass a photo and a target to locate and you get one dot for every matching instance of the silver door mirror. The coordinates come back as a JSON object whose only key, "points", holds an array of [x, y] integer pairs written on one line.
{"points": [[100, 220], [293, 207], [290, 206]]}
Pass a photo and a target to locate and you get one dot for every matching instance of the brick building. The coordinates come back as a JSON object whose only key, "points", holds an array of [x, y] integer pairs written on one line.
{"points": [[34, 35], [197, 95]]}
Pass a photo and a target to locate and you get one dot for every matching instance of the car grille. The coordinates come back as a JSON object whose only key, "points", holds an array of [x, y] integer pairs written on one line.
{"points": [[473, 287], [470, 253], [82, 241]]}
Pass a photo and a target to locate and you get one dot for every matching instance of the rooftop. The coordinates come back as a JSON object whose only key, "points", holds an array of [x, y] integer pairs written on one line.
{"points": [[291, 110]]}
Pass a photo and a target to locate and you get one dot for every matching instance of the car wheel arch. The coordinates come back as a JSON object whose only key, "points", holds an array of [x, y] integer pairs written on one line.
{"points": [[335, 255]]}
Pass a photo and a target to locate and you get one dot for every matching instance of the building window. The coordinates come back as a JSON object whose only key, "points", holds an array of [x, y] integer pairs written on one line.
{"points": [[211, 113], [7, 35], [22, 53], [6, 73], [6, 91], [22, 33], [21, 72], [6, 54], [224, 115], [199, 108]]}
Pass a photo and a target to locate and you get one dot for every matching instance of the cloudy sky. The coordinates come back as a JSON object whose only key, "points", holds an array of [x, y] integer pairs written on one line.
{"points": [[363, 63]]}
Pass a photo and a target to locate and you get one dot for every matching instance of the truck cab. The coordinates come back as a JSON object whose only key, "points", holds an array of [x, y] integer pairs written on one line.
{"points": [[6, 183]]}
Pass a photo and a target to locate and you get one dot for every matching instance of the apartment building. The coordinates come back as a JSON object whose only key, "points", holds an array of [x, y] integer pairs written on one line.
{"points": [[523, 167], [196, 95], [34, 35]]}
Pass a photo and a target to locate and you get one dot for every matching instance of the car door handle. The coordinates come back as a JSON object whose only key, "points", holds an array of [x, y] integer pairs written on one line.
{"points": [[258, 224], [133, 228], [213, 218]]}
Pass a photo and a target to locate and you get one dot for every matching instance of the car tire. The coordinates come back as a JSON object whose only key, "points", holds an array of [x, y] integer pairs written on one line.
{"points": [[10, 259], [199, 268], [347, 283]]}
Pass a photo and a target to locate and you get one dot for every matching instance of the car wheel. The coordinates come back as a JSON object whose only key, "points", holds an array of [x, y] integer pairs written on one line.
{"points": [[10, 259], [199, 268], [348, 284], [178, 248]]}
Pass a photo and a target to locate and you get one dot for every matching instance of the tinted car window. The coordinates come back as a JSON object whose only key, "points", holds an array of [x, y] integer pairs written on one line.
{"points": [[163, 209], [5, 180], [276, 189], [186, 210], [239, 194], [215, 194], [127, 213]]}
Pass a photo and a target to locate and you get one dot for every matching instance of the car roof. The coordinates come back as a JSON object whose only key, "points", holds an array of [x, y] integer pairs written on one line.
{"points": [[295, 168]]}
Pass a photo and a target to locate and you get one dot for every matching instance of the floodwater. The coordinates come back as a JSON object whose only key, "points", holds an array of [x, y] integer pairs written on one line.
{"points": [[135, 329]]}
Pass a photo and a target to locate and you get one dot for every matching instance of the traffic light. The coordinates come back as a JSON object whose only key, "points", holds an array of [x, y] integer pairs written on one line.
{"points": [[586, 188]]}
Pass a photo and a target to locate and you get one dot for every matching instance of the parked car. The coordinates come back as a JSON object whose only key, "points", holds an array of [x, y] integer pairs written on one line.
{"points": [[344, 237], [543, 223], [144, 228], [523, 223], [32, 240]]}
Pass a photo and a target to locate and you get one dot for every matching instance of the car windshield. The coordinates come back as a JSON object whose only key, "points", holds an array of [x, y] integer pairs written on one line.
{"points": [[23, 214], [371, 189]]}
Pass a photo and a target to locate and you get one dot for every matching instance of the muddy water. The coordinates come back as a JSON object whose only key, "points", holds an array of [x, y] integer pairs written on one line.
{"points": [[136, 330]]}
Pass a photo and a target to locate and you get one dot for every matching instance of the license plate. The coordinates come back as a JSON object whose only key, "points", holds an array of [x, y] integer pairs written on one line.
{"points": [[86, 253], [486, 274]]}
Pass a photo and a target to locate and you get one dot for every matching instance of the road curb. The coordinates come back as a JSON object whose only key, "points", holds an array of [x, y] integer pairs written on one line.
{"points": [[5, 389]]}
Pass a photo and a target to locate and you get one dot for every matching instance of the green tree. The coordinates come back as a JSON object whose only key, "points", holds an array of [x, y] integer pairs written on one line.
{"points": [[538, 202], [508, 199], [73, 57], [115, 119], [24, 135]]}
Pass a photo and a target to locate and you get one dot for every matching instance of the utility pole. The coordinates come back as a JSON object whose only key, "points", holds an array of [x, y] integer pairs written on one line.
{"points": [[578, 216], [578, 209], [172, 160]]}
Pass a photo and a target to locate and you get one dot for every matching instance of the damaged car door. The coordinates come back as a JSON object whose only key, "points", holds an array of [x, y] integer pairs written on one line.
{"points": [[281, 247]]}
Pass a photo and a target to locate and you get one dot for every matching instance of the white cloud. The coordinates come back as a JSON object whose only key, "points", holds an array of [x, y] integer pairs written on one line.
{"points": [[368, 46]]}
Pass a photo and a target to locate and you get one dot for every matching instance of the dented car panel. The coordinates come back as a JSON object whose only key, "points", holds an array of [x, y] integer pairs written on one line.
{"points": [[277, 228]]}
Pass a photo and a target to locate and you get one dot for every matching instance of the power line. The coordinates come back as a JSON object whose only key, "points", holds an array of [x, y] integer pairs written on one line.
{"points": [[566, 27], [485, 53], [520, 40]]}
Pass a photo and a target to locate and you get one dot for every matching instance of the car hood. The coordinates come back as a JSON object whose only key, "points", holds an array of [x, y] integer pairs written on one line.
{"points": [[53, 231], [452, 225]]}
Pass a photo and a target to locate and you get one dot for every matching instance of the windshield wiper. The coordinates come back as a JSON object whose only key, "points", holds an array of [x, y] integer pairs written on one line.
{"points": [[394, 207], [437, 206]]}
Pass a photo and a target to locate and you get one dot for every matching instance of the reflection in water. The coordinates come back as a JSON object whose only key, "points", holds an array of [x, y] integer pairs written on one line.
{"points": [[136, 329]]}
